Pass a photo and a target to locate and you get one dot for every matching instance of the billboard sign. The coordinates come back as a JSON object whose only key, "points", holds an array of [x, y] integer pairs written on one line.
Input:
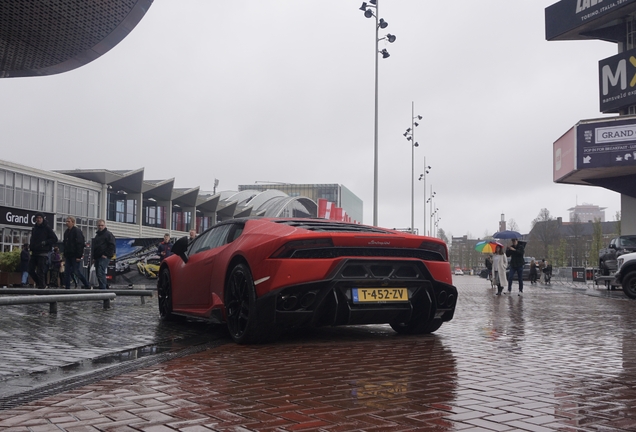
{"points": [[20, 217], [568, 15], [564, 155], [617, 81], [606, 144]]}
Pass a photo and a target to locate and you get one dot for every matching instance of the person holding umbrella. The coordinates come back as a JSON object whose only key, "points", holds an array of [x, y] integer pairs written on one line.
{"points": [[515, 252]]}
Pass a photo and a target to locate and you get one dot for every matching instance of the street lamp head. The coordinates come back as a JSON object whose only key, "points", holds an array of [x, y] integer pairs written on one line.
{"points": [[408, 130], [421, 177], [390, 38], [385, 53], [416, 124], [416, 145], [419, 117], [368, 13], [383, 24], [408, 138], [373, 2], [364, 6], [406, 133]]}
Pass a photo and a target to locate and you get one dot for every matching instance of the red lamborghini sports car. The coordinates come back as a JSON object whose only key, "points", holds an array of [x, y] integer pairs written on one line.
{"points": [[262, 275]]}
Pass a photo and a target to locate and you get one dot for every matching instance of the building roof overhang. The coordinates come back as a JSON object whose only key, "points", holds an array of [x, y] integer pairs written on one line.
{"points": [[40, 38]]}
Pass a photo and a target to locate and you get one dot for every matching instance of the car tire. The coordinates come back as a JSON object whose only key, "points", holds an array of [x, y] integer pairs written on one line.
{"points": [[240, 306], [164, 295], [414, 328], [629, 285]]}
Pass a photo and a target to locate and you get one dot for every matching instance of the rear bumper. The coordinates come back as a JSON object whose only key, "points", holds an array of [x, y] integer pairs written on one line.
{"points": [[329, 302]]}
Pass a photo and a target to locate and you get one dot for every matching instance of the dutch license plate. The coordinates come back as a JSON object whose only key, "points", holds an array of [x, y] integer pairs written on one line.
{"points": [[380, 295]]}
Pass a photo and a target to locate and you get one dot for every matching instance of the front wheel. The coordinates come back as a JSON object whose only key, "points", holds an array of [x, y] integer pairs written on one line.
{"points": [[629, 285], [240, 305]]}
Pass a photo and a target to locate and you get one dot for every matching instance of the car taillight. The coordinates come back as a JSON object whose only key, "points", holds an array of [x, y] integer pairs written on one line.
{"points": [[287, 250], [435, 247]]}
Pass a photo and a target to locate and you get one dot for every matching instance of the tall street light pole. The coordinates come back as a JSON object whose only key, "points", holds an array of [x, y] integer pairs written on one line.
{"points": [[410, 136], [423, 178], [379, 24]]}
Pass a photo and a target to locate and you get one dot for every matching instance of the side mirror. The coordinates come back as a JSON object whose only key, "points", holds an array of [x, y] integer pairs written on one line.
{"points": [[180, 247]]}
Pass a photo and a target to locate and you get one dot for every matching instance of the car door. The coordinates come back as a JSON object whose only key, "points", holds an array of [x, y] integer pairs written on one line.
{"points": [[195, 276]]}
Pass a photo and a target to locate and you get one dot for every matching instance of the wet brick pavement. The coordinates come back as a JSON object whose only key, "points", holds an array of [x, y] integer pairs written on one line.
{"points": [[559, 358]]}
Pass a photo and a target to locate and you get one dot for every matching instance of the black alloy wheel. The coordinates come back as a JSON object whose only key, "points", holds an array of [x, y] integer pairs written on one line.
{"points": [[240, 305], [164, 294], [629, 285]]}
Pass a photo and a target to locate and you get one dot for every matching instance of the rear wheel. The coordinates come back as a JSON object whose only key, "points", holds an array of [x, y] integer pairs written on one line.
{"points": [[164, 294], [629, 285], [240, 305]]}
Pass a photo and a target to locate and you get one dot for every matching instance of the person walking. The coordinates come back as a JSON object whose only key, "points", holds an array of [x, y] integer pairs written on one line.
{"points": [[103, 250], [56, 263], [488, 263], [533, 272], [74, 245], [42, 240], [515, 252], [541, 272], [24, 264], [547, 272], [499, 268], [165, 248]]}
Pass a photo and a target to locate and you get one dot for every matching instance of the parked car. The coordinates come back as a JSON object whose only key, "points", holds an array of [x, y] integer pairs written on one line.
{"points": [[618, 246], [459, 272], [262, 275], [626, 274]]}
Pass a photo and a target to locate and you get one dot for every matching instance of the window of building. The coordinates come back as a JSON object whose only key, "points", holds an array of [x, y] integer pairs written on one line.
{"points": [[13, 238], [121, 209], [154, 215], [76, 201], [25, 191]]}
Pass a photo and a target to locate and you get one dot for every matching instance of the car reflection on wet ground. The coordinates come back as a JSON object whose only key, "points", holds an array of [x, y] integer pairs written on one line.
{"points": [[559, 358]]}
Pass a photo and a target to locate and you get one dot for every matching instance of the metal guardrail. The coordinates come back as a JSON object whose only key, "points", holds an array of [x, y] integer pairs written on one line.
{"points": [[54, 299], [35, 291]]}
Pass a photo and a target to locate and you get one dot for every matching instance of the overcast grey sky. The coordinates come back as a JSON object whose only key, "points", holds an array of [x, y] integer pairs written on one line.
{"points": [[282, 91]]}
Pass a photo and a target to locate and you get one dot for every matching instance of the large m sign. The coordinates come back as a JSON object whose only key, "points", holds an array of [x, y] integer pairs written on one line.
{"points": [[617, 82]]}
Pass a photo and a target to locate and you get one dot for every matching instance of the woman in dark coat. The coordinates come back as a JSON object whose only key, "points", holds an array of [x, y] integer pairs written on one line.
{"points": [[533, 272], [24, 264]]}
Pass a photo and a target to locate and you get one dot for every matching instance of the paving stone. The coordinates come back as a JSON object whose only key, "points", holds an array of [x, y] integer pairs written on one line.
{"points": [[559, 358]]}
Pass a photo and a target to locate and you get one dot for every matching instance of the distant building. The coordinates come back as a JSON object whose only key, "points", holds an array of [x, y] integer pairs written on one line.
{"points": [[587, 213]]}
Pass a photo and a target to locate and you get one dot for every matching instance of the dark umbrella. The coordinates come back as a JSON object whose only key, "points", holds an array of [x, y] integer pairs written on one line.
{"points": [[507, 235]]}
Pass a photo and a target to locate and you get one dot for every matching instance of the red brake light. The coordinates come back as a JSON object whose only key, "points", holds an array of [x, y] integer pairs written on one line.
{"points": [[287, 250], [439, 248]]}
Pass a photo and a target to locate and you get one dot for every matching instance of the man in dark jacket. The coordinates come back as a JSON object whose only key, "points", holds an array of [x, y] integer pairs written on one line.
{"points": [[42, 240], [74, 244], [165, 248], [515, 252], [103, 250]]}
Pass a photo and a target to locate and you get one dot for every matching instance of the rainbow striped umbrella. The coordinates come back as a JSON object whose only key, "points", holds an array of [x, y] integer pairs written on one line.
{"points": [[487, 246]]}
